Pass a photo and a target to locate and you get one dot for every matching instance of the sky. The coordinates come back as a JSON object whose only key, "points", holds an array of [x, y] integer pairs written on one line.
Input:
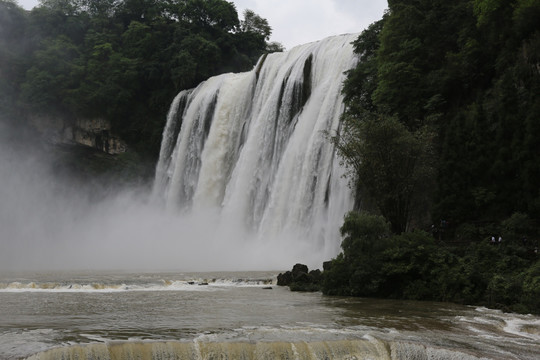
{"points": [[296, 22]]}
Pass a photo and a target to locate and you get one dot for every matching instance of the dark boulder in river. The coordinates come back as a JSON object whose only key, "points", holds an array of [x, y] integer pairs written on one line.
{"points": [[300, 279]]}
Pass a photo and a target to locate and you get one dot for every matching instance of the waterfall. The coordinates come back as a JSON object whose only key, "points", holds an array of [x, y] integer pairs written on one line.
{"points": [[253, 148], [317, 350]]}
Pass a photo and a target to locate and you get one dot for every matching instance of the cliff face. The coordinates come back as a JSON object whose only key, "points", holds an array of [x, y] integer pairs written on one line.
{"points": [[95, 133]]}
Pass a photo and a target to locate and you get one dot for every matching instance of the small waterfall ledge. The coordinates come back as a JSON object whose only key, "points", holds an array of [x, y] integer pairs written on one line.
{"points": [[317, 350]]}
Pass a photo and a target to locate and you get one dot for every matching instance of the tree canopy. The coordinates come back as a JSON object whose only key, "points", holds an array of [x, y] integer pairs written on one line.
{"points": [[466, 72], [123, 60]]}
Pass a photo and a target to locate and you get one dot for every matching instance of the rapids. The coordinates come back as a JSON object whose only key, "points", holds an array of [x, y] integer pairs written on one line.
{"points": [[240, 315]]}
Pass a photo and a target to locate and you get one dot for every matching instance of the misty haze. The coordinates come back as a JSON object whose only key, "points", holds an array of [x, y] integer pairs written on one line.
{"points": [[49, 223]]}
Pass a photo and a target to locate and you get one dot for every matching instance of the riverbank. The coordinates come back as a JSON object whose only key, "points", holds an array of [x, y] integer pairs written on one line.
{"points": [[417, 266]]}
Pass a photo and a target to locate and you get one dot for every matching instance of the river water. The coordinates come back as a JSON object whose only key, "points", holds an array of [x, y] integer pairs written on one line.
{"points": [[238, 316]]}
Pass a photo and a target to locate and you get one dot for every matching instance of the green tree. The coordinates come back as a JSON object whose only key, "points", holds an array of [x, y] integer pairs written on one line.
{"points": [[361, 81], [415, 267], [355, 271], [531, 288], [391, 165], [54, 74], [255, 24], [211, 14], [13, 55], [274, 46]]}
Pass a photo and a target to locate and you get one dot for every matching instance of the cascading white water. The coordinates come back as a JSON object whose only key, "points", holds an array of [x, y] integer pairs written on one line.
{"points": [[345, 349], [253, 148]]}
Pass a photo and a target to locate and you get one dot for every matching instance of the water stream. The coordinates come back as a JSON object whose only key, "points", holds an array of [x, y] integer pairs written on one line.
{"points": [[98, 315]]}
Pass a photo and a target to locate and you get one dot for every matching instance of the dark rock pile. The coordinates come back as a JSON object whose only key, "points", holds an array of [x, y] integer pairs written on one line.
{"points": [[301, 279]]}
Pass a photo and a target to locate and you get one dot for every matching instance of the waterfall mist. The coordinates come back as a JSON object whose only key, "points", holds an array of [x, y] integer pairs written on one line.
{"points": [[249, 182], [48, 224]]}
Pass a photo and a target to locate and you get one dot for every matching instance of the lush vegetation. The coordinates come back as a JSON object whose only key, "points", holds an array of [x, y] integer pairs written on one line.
{"points": [[123, 60], [441, 133], [462, 79], [416, 265]]}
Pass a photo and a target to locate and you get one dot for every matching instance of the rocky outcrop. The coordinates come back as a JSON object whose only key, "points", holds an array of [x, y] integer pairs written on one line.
{"points": [[95, 133], [301, 279]]}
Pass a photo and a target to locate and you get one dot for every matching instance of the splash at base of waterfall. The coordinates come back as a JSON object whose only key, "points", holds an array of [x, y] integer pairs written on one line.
{"points": [[253, 148]]}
